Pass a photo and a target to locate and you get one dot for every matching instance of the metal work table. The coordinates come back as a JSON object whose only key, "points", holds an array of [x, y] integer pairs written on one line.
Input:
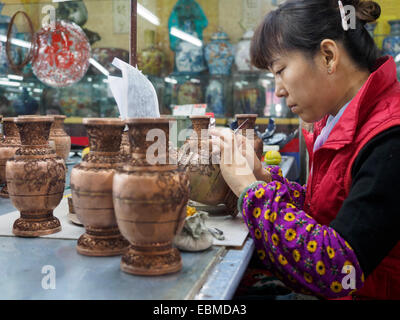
{"points": [[213, 274]]}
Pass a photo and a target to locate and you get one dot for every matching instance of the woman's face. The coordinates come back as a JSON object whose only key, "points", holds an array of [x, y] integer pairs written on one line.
{"points": [[305, 84]]}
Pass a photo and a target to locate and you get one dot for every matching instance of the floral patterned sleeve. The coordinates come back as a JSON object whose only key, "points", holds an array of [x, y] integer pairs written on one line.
{"points": [[296, 191], [306, 256]]}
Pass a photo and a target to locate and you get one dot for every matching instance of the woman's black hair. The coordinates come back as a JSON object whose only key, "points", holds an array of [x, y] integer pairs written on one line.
{"points": [[304, 24]]}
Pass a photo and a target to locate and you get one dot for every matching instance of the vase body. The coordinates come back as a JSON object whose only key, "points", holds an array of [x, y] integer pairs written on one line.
{"points": [[60, 139], [207, 184], [219, 54], [35, 179], [391, 44], [150, 198], [91, 186], [151, 60], [251, 135], [8, 146]]}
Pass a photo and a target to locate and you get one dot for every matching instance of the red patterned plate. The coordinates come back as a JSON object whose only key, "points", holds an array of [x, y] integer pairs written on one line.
{"points": [[61, 56]]}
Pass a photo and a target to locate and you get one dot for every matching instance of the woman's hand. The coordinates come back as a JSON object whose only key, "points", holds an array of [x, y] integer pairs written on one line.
{"points": [[234, 166]]}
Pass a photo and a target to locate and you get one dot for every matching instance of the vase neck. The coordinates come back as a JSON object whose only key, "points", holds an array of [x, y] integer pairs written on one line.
{"points": [[105, 139], [149, 143], [10, 129], [34, 133], [58, 127]]}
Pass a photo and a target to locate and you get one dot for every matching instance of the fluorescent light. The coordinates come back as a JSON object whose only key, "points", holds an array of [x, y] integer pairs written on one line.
{"points": [[37, 90], [186, 37], [10, 83], [99, 67], [170, 80], [15, 77], [148, 15], [17, 42]]}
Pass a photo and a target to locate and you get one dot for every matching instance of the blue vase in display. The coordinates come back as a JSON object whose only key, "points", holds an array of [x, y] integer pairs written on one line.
{"points": [[189, 58], [391, 44], [215, 98], [219, 54]]}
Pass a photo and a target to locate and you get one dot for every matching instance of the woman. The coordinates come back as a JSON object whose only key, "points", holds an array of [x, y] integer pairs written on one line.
{"points": [[338, 236]]}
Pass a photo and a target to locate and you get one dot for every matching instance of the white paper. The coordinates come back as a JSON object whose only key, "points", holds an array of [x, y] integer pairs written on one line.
{"points": [[134, 93]]}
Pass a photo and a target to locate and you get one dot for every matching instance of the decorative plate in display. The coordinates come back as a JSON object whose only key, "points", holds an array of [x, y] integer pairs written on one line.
{"points": [[62, 54]]}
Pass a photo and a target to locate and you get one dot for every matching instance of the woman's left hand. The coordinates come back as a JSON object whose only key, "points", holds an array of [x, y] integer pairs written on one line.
{"points": [[234, 166]]}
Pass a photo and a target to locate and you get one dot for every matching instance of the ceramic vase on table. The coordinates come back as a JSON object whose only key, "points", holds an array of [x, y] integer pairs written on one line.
{"points": [[219, 54], [8, 146], [35, 179], [150, 197], [91, 186], [207, 186], [248, 131], [391, 44], [60, 139]]}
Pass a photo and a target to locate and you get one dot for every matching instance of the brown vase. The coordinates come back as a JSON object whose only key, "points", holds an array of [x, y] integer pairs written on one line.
{"points": [[150, 202], [207, 184], [35, 179], [91, 186], [250, 125], [8, 146], [58, 136]]}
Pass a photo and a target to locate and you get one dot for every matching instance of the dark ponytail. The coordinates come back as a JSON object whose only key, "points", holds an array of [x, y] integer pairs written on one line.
{"points": [[304, 24]]}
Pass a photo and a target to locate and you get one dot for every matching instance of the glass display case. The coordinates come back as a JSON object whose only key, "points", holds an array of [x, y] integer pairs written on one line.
{"points": [[215, 71]]}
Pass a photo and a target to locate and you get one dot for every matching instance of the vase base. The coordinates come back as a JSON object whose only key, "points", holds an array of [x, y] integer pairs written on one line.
{"points": [[151, 263], [102, 246], [4, 192], [36, 224]]}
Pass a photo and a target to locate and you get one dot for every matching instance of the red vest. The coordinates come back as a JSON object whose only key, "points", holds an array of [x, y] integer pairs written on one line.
{"points": [[375, 109]]}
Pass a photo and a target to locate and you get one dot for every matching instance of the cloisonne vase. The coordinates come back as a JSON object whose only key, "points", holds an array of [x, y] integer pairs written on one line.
{"points": [[8, 146], [92, 184], [150, 198], [219, 54], [151, 60], [35, 179]]}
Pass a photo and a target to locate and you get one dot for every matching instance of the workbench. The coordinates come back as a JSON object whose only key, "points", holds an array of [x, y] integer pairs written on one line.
{"points": [[26, 264]]}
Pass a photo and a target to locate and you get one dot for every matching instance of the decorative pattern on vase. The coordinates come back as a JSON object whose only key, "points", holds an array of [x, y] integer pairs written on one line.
{"points": [[391, 44], [150, 216], [61, 55], [242, 55], [61, 140], [35, 179], [8, 146], [215, 97], [219, 54], [207, 185], [91, 186]]}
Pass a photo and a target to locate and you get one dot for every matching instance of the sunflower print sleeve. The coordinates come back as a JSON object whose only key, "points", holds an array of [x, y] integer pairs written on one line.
{"points": [[306, 256], [296, 191]]}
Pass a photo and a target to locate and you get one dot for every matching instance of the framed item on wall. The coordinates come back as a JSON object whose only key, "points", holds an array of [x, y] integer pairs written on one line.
{"points": [[121, 16]]}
